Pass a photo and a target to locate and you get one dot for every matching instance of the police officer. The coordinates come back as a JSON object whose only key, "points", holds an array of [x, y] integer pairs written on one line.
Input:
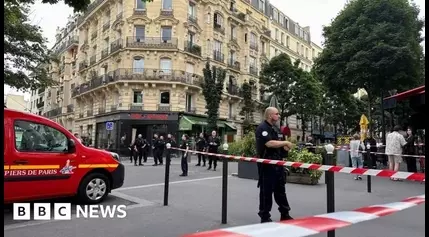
{"points": [[201, 146], [160, 149], [155, 140], [185, 145], [213, 143], [138, 147], [272, 178]]}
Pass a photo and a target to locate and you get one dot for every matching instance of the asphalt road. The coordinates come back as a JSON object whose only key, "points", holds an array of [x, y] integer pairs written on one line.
{"points": [[195, 205]]}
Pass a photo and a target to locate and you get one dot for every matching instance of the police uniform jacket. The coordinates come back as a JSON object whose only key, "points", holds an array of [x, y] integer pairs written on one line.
{"points": [[213, 144]]}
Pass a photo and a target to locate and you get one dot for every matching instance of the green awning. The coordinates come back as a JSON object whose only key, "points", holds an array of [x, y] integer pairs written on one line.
{"points": [[186, 122], [230, 126]]}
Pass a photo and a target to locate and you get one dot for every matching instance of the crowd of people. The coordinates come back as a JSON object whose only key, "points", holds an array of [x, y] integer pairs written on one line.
{"points": [[140, 149]]}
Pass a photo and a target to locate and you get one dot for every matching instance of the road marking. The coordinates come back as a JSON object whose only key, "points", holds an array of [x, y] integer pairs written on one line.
{"points": [[162, 184]]}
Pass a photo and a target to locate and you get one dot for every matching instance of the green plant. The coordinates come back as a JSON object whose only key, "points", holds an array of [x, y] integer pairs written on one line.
{"points": [[304, 156], [244, 147]]}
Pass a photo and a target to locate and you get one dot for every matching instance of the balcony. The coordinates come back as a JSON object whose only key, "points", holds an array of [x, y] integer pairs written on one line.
{"points": [[232, 63], [54, 112], [89, 113], [193, 19], [254, 46], [106, 26], [91, 7], [73, 41], [167, 12], [119, 16], [102, 110], [233, 89], [92, 60], [114, 107], [139, 12], [80, 115], [192, 48], [219, 28], [164, 107], [218, 56], [83, 65], [139, 75], [116, 45], [137, 106], [94, 35], [253, 70], [70, 108], [40, 105], [151, 42], [105, 53]]}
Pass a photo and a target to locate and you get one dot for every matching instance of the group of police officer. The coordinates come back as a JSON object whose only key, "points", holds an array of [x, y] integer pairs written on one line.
{"points": [[272, 178]]}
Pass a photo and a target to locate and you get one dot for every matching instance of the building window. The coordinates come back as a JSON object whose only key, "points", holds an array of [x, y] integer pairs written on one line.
{"points": [[189, 103], [139, 33], [302, 49], [253, 40], [261, 5], [218, 20], [282, 20], [191, 38], [306, 52], [296, 29], [305, 36], [140, 5], [313, 53], [165, 97], [287, 23], [277, 35], [138, 65], [275, 15], [166, 33], [167, 4], [217, 46], [191, 10], [283, 38], [287, 41], [233, 32], [263, 45], [165, 65], [297, 47], [230, 110], [138, 97]]}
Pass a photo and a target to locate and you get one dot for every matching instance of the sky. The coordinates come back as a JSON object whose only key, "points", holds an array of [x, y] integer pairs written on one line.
{"points": [[313, 13]]}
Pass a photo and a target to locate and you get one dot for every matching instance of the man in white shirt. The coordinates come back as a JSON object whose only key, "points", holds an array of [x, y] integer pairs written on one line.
{"points": [[394, 143]]}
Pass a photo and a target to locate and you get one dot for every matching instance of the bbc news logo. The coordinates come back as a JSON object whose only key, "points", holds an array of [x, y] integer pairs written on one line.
{"points": [[63, 211]]}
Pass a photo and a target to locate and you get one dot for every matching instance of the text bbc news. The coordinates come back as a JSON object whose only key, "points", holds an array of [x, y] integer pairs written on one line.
{"points": [[63, 211]]}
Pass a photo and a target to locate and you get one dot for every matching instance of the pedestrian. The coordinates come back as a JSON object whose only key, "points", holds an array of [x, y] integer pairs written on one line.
{"points": [[213, 144], [394, 144], [184, 161], [272, 178], [410, 149], [138, 149], [356, 149], [201, 146], [372, 158]]}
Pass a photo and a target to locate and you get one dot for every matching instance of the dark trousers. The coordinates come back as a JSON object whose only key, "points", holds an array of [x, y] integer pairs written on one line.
{"points": [[411, 164], [201, 157], [131, 154], [144, 155], [160, 159], [184, 164], [272, 181], [157, 156], [212, 160]]}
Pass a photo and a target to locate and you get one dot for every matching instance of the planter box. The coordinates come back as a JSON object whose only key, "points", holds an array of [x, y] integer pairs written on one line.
{"points": [[248, 170], [297, 178]]}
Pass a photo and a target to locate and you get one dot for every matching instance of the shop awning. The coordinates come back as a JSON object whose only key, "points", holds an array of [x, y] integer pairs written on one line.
{"points": [[406, 94], [186, 122], [230, 126]]}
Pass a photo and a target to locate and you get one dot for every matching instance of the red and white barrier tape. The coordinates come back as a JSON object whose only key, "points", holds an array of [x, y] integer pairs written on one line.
{"points": [[339, 169], [315, 224], [346, 148]]}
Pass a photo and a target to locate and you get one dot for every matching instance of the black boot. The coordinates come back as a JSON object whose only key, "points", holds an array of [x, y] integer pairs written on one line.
{"points": [[266, 220], [285, 217]]}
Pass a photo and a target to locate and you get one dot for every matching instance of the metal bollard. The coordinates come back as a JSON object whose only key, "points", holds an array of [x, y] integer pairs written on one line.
{"points": [[368, 179], [224, 183], [330, 185], [167, 173]]}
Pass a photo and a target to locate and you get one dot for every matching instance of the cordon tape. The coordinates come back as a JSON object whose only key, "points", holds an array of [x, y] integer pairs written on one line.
{"points": [[338, 169], [315, 224]]}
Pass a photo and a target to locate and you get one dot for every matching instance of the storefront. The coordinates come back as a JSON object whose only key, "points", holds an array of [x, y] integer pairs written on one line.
{"points": [[193, 126], [116, 132]]}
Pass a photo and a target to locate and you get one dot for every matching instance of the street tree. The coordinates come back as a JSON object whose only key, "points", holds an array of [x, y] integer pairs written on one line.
{"points": [[25, 51], [372, 44], [307, 96], [278, 77], [212, 85], [248, 107]]}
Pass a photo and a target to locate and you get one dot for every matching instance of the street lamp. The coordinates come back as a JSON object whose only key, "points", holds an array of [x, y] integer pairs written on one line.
{"points": [[225, 147], [329, 149]]}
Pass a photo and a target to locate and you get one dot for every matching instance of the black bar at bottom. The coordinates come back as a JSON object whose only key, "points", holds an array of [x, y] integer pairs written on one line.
{"points": [[330, 191]]}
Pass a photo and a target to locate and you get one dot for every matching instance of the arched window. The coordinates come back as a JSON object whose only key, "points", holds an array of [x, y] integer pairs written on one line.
{"points": [[138, 65]]}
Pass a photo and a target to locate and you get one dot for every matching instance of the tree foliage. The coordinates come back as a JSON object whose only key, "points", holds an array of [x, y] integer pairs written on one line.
{"points": [[248, 106], [25, 52], [372, 44], [277, 78], [213, 83]]}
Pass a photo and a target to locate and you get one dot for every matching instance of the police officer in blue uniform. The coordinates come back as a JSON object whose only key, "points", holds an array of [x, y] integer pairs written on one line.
{"points": [[272, 178]]}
